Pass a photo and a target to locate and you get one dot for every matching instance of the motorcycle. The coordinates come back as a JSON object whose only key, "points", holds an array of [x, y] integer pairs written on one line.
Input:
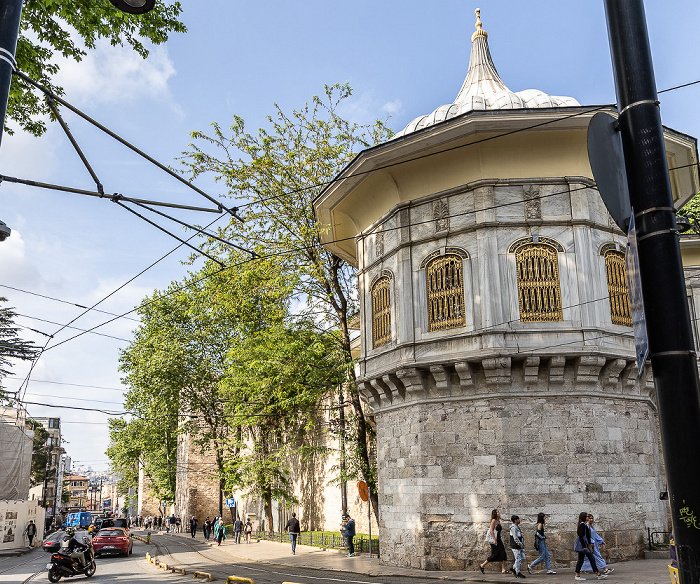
{"points": [[71, 562]]}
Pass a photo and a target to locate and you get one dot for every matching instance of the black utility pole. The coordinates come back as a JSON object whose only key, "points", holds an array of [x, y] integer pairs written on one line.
{"points": [[10, 14], [671, 347]]}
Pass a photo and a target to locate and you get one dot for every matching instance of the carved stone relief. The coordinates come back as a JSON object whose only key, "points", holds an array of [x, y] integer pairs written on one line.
{"points": [[441, 214], [533, 205]]}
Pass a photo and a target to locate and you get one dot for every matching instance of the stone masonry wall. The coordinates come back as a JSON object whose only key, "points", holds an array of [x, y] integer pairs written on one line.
{"points": [[196, 488], [444, 466]]}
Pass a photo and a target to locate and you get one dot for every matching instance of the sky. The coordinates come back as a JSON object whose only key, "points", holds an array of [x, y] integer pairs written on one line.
{"points": [[402, 59]]}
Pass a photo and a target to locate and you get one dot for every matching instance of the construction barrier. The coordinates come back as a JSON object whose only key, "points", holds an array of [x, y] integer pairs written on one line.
{"points": [[238, 579], [206, 575]]}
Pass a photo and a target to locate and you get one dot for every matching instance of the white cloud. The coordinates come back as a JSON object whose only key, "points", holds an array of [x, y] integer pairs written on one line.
{"points": [[393, 108], [109, 75], [15, 268]]}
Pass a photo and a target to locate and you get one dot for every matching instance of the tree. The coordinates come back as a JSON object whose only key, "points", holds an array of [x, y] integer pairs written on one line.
{"points": [[691, 210], [40, 453], [11, 345], [60, 27], [276, 174]]}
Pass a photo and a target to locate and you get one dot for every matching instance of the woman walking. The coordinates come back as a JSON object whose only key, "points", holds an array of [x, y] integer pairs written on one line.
{"points": [[597, 541], [493, 536], [584, 547], [541, 545]]}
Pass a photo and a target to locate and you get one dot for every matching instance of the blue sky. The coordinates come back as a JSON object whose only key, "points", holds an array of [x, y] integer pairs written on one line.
{"points": [[402, 59]]}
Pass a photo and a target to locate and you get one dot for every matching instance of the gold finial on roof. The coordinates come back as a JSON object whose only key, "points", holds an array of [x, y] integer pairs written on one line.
{"points": [[479, 32]]}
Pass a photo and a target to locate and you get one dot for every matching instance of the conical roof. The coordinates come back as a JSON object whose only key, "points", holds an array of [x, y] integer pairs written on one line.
{"points": [[483, 89]]}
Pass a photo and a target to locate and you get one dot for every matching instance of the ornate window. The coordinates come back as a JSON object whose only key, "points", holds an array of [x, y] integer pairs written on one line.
{"points": [[445, 292], [617, 288], [539, 295], [381, 312]]}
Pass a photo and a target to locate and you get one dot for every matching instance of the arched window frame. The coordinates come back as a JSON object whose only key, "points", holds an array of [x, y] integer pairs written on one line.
{"points": [[618, 288], [444, 276], [380, 292], [537, 273]]}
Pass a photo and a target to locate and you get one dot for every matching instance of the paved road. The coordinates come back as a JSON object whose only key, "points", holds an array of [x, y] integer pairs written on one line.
{"points": [[31, 568]]}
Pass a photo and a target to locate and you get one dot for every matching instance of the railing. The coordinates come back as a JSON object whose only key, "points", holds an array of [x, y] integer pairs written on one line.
{"points": [[658, 539], [333, 541]]}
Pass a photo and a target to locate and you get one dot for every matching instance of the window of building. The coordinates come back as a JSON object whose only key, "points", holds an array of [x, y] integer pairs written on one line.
{"points": [[54, 422], [539, 294], [381, 312], [617, 288], [445, 282]]}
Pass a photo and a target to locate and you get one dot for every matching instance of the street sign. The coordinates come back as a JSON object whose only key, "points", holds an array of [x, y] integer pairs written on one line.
{"points": [[634, 283], [230, 502], [608, 166], [363, 490]]}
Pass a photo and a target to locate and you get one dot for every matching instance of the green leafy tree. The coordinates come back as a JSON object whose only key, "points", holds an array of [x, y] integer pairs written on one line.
{"points": [[691, 210], [276, 174], [67, 28], [40, 453], [11, 345]]}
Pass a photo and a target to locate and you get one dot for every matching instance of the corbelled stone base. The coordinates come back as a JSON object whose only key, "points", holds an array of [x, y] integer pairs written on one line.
{"points": [[520, 439]]}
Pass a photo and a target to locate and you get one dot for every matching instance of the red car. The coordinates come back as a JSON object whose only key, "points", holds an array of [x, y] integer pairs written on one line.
{"points": [[115, 540]]}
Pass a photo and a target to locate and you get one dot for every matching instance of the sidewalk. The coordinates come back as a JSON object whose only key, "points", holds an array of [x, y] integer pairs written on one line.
{"points": [[653, 571]]}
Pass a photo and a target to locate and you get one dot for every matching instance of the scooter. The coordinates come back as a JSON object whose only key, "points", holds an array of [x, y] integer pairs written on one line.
{"points": [[67, 564]]}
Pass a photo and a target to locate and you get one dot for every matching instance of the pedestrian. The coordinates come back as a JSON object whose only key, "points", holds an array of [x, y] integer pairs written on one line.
{"points": [[597, 541], [541, 546], [350, 534], [237, 529], [207, 528], [193, 526], [517, 545], [178, 524], [584, 547], [493, 536], [171, 522], [31, 532], [248, 530], [294, 529], [219, 531]]}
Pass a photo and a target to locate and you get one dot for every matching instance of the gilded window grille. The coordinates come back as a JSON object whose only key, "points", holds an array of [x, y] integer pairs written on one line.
{"points": [[445, 293], [381, 312], [618, 290], [539, 294]]}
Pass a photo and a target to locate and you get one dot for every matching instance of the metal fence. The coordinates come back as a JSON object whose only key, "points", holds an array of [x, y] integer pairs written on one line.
{"points": [[658, 539], [332, 541]]}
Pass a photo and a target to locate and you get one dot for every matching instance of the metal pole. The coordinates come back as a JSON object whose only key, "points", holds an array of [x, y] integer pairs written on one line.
{"points": [[671, 347], [10, 14], [369, 519]]}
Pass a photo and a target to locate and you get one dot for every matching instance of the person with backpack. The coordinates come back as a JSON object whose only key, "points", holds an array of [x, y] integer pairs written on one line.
{"points": [[541, 546], [517, 545]]}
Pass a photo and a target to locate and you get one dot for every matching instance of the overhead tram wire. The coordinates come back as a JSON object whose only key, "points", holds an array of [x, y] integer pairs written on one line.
{"points": [[232, 211], [70, 327], [62, 301]]}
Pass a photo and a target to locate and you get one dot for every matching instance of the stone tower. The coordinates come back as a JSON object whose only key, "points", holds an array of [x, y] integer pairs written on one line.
{"points": [[497, 351]]}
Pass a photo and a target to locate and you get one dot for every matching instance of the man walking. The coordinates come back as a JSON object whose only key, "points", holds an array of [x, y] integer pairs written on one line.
{"points": [[31, 532], [237, 529], [517, 545], [193, 526], [294, 529], [349, 534]]}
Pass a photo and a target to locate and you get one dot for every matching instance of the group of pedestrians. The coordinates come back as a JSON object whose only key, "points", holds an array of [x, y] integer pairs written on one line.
{"points": [[586, 545]]}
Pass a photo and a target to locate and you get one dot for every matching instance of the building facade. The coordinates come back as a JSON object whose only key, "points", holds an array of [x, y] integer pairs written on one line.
{"points": [[77, 486], [497, 348]]}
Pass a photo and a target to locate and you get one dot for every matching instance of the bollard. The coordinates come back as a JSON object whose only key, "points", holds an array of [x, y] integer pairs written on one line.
{"points": [[206, 575], [231, 579]]}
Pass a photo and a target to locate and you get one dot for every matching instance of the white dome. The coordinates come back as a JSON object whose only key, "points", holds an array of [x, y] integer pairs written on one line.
{"points": [[483, 90]]}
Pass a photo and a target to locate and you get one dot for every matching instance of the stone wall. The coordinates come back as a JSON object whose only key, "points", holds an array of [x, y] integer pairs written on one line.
{"points": [[444, 464], [196, 487]]}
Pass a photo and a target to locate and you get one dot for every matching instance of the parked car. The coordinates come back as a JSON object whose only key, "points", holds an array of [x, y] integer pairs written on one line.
{"points": [[115, 540], [52, 542]]}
